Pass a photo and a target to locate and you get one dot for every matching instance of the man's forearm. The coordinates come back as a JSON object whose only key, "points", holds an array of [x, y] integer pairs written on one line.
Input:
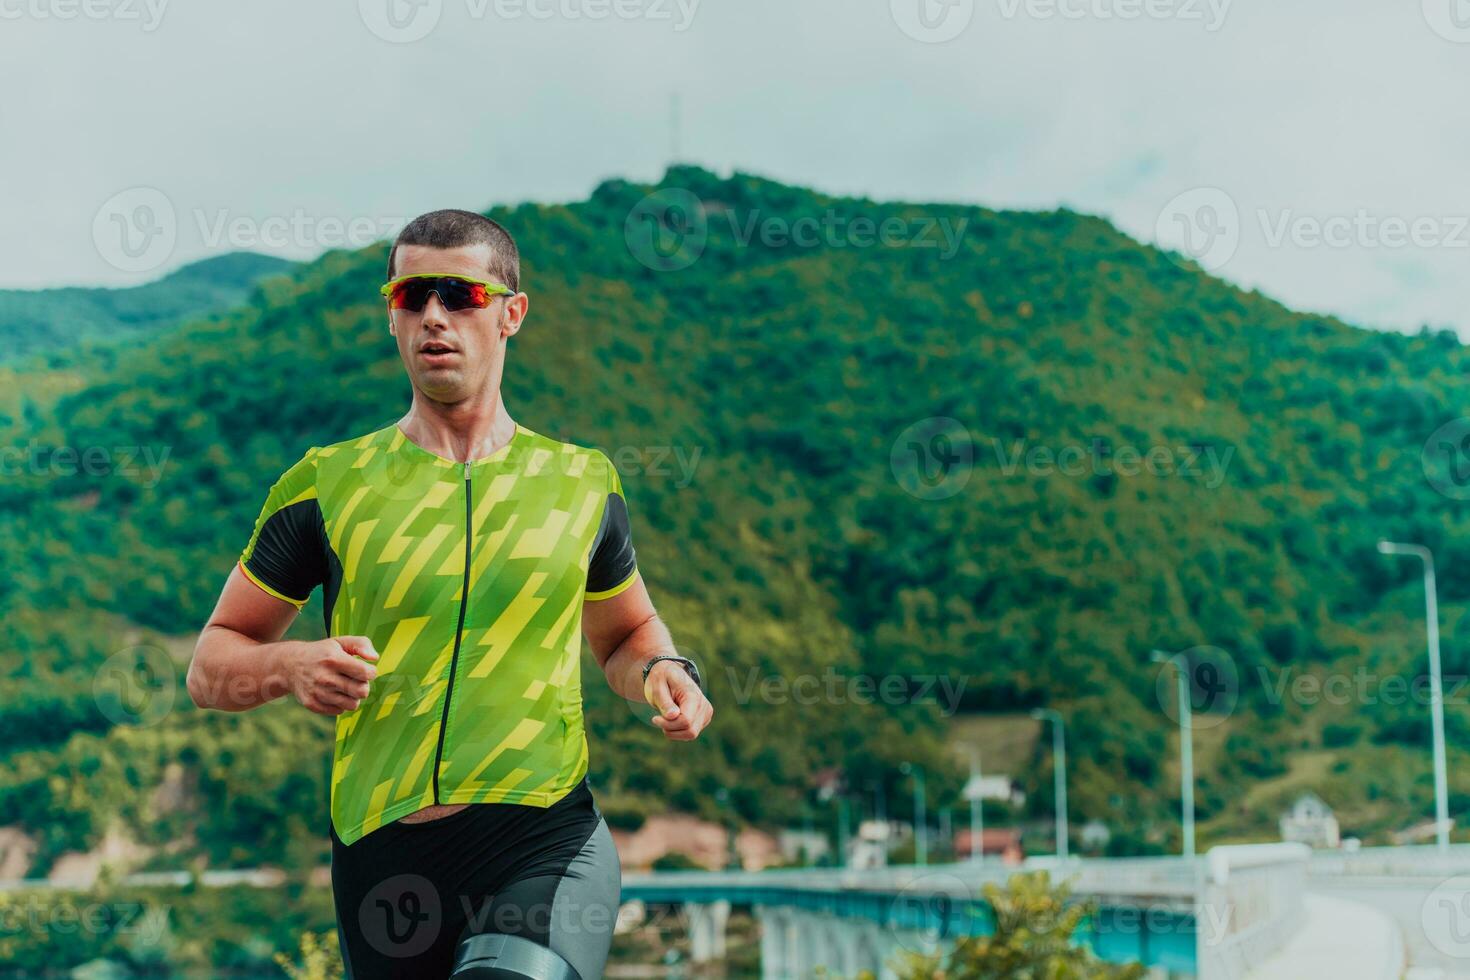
{"points": [[624, 667], [232, 672]]}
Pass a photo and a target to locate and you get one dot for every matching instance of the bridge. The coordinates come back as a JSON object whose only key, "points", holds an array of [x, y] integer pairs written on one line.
{"points": [[1259, 910], [1214, 917]]}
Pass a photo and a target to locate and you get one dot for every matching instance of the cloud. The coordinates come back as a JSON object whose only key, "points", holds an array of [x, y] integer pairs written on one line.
{"points": [[280, 114]]}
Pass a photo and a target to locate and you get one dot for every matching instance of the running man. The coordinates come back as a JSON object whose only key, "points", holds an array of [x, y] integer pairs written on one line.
{"points": [[460, 556]]}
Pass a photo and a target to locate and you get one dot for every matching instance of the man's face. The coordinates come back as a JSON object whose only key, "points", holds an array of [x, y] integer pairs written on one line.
{"points": [[451, 356]]}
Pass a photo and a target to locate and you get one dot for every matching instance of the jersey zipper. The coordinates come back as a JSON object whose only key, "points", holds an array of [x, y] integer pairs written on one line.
{"points": [[464, 601]]}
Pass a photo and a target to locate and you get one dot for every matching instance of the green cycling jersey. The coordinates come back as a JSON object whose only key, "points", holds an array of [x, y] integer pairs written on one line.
{"points": [[469, 580]]}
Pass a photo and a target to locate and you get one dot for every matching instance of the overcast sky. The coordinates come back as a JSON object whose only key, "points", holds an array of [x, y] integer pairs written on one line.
{"points": [[1315, 150]]}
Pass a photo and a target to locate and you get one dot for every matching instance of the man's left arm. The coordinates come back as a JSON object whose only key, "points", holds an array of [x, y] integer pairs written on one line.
{"points": [[625, 632]]}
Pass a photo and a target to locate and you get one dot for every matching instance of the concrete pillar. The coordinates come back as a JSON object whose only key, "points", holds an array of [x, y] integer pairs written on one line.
{"points": [[799, 941], [847, 936], [875, 948], [824, 943], [707, 922], [774, 949]]}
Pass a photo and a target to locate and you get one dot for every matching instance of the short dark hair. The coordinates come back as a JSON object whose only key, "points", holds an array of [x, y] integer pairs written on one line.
{"points": [[453, 228]]}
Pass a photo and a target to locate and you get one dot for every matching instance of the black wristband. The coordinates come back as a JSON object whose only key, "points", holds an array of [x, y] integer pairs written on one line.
{"points": [[687, 664]]}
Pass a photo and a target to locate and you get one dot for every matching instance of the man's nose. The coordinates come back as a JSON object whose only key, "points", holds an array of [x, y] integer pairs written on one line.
{"points": [[434, 311]]}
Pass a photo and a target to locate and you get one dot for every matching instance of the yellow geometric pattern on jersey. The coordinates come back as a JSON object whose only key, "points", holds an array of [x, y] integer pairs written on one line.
{"points": [[469, 579]]}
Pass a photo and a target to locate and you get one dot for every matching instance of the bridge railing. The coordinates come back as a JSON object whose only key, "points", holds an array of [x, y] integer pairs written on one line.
{"points": [[1404, 861], [1251, 902], [1217, 916]]}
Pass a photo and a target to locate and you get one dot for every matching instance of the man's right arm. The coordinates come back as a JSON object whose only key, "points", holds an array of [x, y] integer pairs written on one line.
{"points": [[241, 662]]}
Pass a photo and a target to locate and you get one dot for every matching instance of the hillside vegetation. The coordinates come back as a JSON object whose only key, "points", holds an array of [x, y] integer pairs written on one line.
{"points": [[50, 322], [797, 511]]}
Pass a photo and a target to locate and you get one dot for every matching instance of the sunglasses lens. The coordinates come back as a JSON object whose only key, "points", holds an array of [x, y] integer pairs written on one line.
{"points": [[456, 294], [411, 295]]}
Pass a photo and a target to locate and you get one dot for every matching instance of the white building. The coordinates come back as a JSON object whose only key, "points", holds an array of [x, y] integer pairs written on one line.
{"points": [[803, 846], [1001, 787], [1095, 835], [1310, 821]]}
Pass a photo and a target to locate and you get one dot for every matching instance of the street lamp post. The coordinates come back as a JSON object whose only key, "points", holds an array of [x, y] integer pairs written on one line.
{"points": [[1059, 771], [977, 811], [1186, 745], [1436, 685], [843, 832], [921, 831], [880, 813]]}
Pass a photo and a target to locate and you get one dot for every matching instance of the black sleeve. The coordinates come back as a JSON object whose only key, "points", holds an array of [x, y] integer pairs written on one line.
{"points": [[287, 554], [614, 564]]}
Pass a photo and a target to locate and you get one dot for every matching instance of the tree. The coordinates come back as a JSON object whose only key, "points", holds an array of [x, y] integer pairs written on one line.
{"points": [[319, 961], [1033, 940]]}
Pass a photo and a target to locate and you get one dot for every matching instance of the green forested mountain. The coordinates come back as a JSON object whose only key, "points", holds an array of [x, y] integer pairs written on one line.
{"points": [[827, 527], [50, 321]]}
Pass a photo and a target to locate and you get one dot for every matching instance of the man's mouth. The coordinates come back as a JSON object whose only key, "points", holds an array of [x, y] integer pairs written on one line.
{"points": [[434, 348]]}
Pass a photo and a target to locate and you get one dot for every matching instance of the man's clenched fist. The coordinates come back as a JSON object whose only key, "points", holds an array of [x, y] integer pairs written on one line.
{"points": [[332, 676], [683, 710]]}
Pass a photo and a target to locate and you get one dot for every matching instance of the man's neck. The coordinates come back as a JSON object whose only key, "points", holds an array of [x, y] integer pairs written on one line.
{"points": [[464, 431]]}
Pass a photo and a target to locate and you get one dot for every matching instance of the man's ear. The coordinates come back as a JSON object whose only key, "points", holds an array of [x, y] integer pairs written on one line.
{"points": [[515, 315]]}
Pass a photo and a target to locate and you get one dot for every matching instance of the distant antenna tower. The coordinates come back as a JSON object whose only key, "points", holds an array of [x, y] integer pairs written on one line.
{"points": [[674, 113]]}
